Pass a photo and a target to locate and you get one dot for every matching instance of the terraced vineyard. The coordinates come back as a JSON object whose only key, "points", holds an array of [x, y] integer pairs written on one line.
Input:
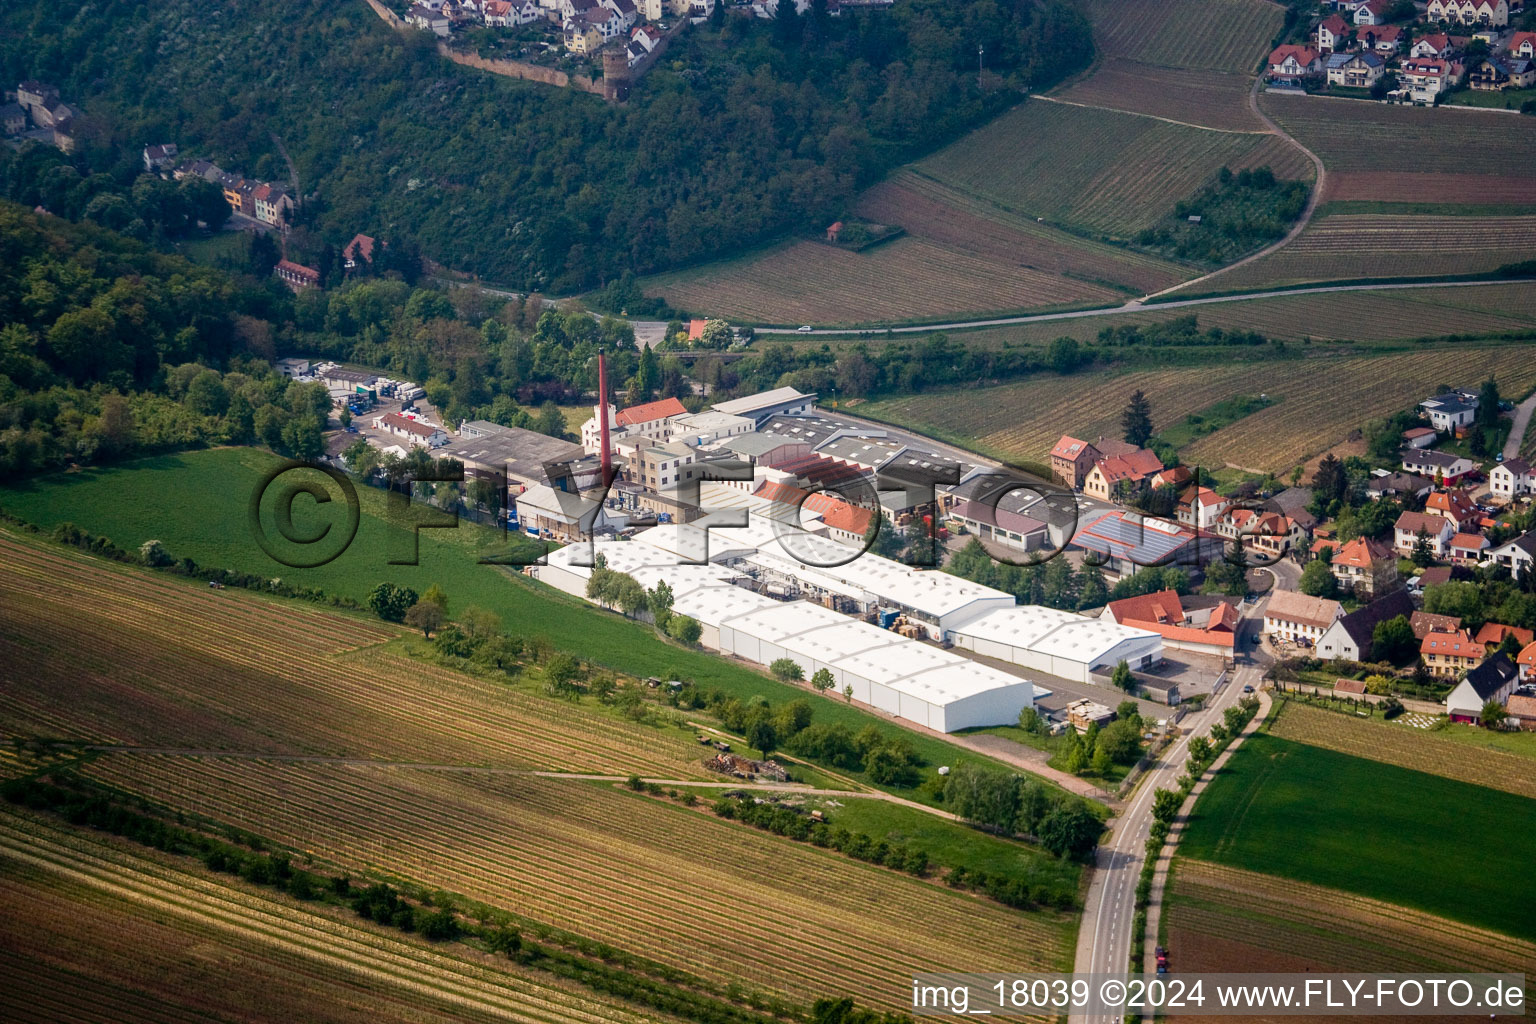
{"points": [[1227, 919], [1214, 99], [1224, 35], [1408, 748], [1324, 399], [678, 885], [93, 932], [1348, 246], [1100, 171], [905, 279], [172, 665]]}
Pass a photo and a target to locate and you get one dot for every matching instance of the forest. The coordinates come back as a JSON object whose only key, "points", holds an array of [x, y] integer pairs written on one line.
{"points": [[745, 133]]}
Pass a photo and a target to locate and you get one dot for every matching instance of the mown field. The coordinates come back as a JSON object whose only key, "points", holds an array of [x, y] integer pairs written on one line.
{"points": [[1327, 818], [196, 504], [95, 932], [906, 279], [677, 885], [1220, 918], [1322, 399], [1505, 763], [1368, 149], [1099, 171], [172, 665], [1348, 246], [1225, 35], [1213, 99]]}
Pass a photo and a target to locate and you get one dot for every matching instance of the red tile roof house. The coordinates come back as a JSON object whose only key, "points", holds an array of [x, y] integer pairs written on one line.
{"points": [[1331, 33], [1453, 505], [296, 275], [1493, 633], [1366, 565], [1131, 469], [1205, 631], [1522, 708], [422, 435], [1468, 548], [358, 252], [1406, 532], [1348, 686], [843, 521], [1447, 655], [1290, 62], [1523, 44], [1071, 460], [1420, 437], [1425, 623]]}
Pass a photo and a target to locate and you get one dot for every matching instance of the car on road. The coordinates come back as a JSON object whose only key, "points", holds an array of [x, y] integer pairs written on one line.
{"points": [[803, 329], [1248, 688]]}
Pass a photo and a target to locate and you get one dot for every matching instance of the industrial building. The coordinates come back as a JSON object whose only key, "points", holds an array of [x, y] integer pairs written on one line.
{"points": [[768, 590]]}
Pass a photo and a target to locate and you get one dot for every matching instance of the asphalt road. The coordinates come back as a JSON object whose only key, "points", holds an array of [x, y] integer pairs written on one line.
{"points": [[1518, 427], [1104, 940], [1137, 306]]}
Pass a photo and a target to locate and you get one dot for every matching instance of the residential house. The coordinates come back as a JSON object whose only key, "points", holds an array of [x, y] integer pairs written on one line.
{"points": [[1511, 479], [1491, 13], [1383, 40], [296, 275], [1451, 411], [1201, 507], [1117, 473], [1493, 74], [1173, 476], [1299, 618], [1526, 662], [1423, 79], [1492, 635], [273, 204], [1372, 12], [1442, 467], [1071, 460], [13, 119], [625, 11], [358, 253], [1292, 503], [158, 158], [422, 16], [1448, 655], [818, 512], [1354, 70], [1409, 525], [1516, 555], [651, 421], [1349, 638], [1453, 504], [1523, 44], [1289, 63], [417, 432], [1436, 45], [1260, 530], [1468, 549], [1368, 566], [1332, 34], [1420, 437], [1394, 484], [1425, 623], [653, 10], [1494, 679], [500, 14], [1209, 630], [581, 36]]}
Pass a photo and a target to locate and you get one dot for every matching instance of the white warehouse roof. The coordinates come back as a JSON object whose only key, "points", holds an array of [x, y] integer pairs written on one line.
{"points": [[1053, 632]]}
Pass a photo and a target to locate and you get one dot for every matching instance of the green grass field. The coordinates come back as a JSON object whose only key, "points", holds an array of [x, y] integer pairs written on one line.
{"points": [[196, 504], [1393, 834]]}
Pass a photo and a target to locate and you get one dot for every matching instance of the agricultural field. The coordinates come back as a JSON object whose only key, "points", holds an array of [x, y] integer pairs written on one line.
{"points": [[672, 883], [930, 210], [1347, 246], [1320, 400], [172, 665], [1509, 766], [184, 947], [1221, 918], [1222, 35], [1211, 99], [902, 280], [1323, 817], [1365, 147], [1100, 172]]}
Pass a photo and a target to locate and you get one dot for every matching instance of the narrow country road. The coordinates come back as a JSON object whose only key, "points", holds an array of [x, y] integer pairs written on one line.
{"points": [[1138, 306], [1106, 934], [1518, 427]]}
